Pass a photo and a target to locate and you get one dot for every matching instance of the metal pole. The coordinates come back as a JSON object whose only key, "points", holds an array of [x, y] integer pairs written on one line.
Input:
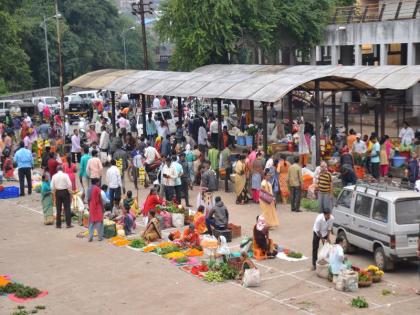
{"points": [[317, 123], [114, 127], [382, 112], [346, 117], [125, 51], [180, 111], [60, 65], [376, 120], [265, 122], [143, 111], [48, 54], [143, 30], [290, 110], [251, 108], [219, 129], [333, 111]]}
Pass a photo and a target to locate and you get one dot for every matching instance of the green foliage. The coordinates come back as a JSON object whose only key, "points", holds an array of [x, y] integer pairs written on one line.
{"points": [[91, 35], [209, 31], [310, 205], [359, 302]]}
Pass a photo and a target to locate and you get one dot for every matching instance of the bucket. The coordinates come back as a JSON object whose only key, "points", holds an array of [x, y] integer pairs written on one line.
{"points": [[398, 161], [249, 140], [240, 140]]}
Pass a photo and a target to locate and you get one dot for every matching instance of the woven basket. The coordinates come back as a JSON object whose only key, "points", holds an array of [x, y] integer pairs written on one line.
{"points": [[365, 284], [376, 279], [279, 147], [236, 230], [235, 263]]}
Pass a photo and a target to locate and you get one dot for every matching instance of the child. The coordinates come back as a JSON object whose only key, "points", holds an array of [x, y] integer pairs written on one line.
{"points": [[8, 169], [131, 203], [127, 220], [47, 201]]}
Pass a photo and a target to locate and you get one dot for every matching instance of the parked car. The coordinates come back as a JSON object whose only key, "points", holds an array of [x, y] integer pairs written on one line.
{"points": [[12, 106], [78, 107], [50, 101], [382, 220], [157, 114], [94, 95]]}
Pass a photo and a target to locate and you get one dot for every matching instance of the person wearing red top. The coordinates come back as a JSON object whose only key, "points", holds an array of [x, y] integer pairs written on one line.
{"points": [[96, 213], [151, 202], [163, 102], [52, 165], [190, 237]]}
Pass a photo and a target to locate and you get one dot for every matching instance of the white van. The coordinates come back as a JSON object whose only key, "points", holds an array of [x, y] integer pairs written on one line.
{"points": [[381, 220], [50, 101], [157, 114], [94, 95], [12, 106]]}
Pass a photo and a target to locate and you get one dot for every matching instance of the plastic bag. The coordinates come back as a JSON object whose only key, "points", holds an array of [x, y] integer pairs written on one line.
{"points": [[347, 280], [324, 252], [252, 278]]}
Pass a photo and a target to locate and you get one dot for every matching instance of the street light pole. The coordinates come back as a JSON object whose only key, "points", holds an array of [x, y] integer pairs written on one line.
{"points": [[139, 9], [60, 66], [124, 44], [48, 55]]}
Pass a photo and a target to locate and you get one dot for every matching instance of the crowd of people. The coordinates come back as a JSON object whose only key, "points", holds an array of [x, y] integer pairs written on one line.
{"points": [[173, 164]]}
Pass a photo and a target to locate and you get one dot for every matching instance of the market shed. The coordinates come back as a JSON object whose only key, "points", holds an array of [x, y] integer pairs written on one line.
{"points": [[263, 83]]}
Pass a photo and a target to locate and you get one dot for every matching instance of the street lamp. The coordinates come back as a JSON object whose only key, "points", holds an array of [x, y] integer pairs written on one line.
{"points": [[124, 44], [44, 26]]}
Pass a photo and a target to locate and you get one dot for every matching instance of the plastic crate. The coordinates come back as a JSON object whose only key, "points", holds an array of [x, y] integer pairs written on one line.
{"points": [[9, 192]]}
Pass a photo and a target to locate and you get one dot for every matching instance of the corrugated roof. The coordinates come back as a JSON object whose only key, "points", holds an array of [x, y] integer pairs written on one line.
{"points": [[263, 83]]}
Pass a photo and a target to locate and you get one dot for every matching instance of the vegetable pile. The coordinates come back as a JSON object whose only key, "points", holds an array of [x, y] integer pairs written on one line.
{"points": [[296, 255], [19, 290], [359, 302], [138, 243], [216, 276], [174, 255]]}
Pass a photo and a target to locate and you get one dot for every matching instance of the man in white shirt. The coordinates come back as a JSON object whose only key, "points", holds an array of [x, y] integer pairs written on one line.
{"points": [[76, 149], [61, 187], [41, 109], [156, 103], [169, 175], [162, 130], [27, 119], [113, 178], [202, 139], [406, 135], [150, 153], [214, 130], [359, 146], [103, 145], [321, 232]]}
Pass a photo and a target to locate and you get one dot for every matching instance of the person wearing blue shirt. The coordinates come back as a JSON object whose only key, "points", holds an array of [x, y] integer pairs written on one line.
{"points": [[25, 162]]}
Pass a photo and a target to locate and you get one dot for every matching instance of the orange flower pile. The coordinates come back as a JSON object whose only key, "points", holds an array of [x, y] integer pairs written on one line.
{"points": [[3, 281], [164, 244], [149, 249], [119, 241], [193, 252]]}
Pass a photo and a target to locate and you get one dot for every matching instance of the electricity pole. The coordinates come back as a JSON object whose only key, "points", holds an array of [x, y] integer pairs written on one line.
{"points": [[139, 9]]}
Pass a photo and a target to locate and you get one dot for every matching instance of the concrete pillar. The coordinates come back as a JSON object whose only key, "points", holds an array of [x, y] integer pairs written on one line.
{"points": [[259, 56], [415, 90], [313, 57], [334, 55], [280, 56], [357, 55], [383, 55], [318, 53], [411, 54]]}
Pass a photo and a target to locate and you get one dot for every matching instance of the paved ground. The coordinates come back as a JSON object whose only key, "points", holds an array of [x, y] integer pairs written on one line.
{"points": [[98, 278]]}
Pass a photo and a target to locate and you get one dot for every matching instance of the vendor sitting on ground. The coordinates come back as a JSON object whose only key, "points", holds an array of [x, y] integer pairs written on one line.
{"points": [[223, 251], [127, 220], [262, 240], [152, 200], [246, 264], [152, 231], [200, 220], [190, 237], [218, 217]]}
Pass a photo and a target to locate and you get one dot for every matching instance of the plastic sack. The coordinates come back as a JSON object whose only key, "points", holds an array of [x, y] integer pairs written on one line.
{"points": [[322, 268], [347, 280], [167, 219], [324, 252], [252, 278]]}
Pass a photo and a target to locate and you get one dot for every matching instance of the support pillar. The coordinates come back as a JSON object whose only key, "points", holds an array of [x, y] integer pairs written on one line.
{"points": [[346, 117], [411, 54], [180, 110], [383, 55], [219, 124], [114, 127], [335, 55], [143, 112], [377, 119], [357, 55], [317, 123], [333, 116], [251, 111], [383, 105], [313, 57], [265, 122], [290, 110]]}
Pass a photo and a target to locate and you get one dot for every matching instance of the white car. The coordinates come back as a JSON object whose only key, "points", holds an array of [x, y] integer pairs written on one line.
{"points": [[50, 101], [167, 114], [12, 106]]}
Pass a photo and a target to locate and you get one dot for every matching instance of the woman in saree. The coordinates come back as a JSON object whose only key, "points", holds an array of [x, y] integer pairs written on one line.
{"points": [[200, 220], [262, 240], [257, 172], [268, 208], [240, 181], [283, 169], [152, 231], [70, 169], [47, 201]]}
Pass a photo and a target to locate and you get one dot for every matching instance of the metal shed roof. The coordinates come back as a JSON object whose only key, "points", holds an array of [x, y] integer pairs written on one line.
{"points": [[265, 83]]}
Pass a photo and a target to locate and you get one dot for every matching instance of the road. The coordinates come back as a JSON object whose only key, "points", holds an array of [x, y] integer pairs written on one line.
{"points": [[99, 278]]}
